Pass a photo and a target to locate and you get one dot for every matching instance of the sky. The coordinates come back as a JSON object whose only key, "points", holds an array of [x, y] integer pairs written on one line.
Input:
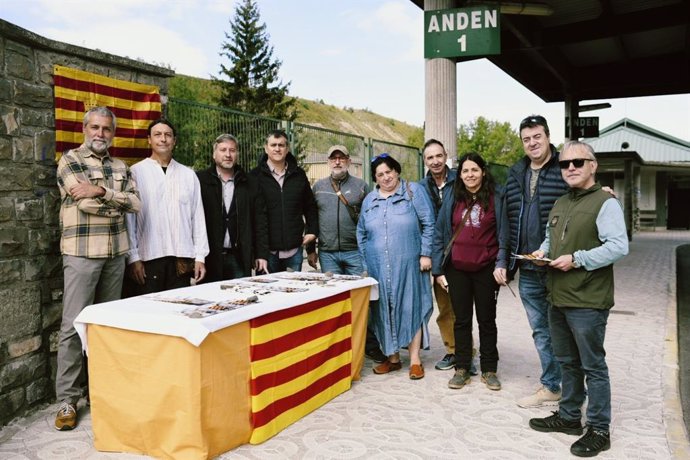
{"points": [[365, 54]]}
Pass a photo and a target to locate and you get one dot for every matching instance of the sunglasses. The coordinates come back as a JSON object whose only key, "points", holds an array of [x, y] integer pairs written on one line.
{"points": [[537, 119], [383, 155], [577, 162]]}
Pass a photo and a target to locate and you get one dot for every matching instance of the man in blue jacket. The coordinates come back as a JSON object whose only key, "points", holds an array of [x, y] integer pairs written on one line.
{"points": [[534, 184], [438, 184]]}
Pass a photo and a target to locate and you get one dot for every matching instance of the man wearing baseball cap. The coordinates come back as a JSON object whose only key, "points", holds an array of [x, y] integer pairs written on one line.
{"points": [[339, 198]]}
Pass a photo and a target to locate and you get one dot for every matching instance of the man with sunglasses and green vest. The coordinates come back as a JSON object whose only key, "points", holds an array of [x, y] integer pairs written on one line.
{"points": [[585, 235]]}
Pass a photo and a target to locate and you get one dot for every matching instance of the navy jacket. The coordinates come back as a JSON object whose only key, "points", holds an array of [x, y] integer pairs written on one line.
{"points": [[430, 188], [551, 187]]}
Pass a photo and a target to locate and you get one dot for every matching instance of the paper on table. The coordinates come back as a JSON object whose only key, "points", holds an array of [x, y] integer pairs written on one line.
{"points": [[531, 258]]}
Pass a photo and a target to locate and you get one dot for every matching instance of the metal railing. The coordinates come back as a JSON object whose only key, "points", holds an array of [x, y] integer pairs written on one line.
{"points": [[198, 125]]}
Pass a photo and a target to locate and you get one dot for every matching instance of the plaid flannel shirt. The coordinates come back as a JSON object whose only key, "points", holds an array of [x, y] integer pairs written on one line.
{"points": [[95, 227]]}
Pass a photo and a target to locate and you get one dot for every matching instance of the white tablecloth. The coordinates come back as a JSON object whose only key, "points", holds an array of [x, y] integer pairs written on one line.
{"points": [[145, 314]]}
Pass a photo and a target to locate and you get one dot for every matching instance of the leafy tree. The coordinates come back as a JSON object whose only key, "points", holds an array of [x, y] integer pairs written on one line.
{"points": [[416, 138], [497, 142], [250, 82]]}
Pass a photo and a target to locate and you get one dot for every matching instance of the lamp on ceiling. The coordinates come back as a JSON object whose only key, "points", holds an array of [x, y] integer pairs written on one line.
{"points": [[519, 8]]}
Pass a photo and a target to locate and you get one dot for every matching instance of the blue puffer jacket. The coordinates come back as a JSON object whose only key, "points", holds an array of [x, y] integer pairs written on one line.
{"points": [[551, 187]]}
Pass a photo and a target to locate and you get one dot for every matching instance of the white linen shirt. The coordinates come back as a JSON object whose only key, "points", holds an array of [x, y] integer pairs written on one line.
{"points": [[171, 221]]}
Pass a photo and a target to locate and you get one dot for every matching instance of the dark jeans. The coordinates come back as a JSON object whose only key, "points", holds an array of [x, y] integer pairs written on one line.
{"points": [[232, 265], [293, 262], [478, 289], [372, 345], [578, 335]]}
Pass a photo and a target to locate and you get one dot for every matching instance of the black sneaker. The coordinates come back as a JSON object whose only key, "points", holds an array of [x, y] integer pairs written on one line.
{"points": [[375, 355], [556, 423], [593, 442]]}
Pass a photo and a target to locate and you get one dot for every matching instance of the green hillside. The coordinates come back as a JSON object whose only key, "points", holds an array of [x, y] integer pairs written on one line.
{"points": [[362, 122]]}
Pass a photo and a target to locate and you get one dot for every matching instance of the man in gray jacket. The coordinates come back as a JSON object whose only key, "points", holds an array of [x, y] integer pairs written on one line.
{"points": [[339, 198]]}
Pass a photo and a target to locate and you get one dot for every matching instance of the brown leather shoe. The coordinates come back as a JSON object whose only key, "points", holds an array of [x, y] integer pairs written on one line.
{"points": [[387, 366], [66, 418], [416, 371]]}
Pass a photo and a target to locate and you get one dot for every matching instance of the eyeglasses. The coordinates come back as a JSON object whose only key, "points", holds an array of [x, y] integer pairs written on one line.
{"points": [[383, 155], [577, 162]]}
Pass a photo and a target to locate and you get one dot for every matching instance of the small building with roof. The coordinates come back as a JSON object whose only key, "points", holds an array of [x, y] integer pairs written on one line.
{"points": [[650, 172]]}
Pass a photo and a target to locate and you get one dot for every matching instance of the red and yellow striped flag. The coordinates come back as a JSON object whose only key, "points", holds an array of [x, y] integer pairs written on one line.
{"points": [[135, 106], [300, 359]]}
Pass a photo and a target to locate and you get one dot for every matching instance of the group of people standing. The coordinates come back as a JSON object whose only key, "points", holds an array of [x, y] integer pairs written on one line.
{"points": [[551, 210], [454, 233], [159, 225]]}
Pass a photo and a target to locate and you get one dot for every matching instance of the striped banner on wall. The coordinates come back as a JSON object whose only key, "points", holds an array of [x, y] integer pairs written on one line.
{"points": [[135, 106], [300, 359]]}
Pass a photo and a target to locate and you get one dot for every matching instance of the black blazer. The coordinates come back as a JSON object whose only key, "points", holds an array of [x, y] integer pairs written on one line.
{"points": [[252, 226]]}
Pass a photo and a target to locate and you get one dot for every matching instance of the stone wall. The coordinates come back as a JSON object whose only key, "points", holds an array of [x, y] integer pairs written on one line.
{"points": [[30, 261]]}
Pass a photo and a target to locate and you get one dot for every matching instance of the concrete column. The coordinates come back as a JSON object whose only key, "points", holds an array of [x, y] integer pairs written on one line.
{"points": [[631, 178], [441, 99], [572, 110]]}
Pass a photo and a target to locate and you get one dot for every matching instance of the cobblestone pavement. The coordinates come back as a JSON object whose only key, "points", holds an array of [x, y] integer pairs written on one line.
{"points": [[393, 417]]}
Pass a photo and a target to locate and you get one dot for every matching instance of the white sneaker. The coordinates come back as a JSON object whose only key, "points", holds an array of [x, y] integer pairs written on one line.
{"points": [[543, 397]]}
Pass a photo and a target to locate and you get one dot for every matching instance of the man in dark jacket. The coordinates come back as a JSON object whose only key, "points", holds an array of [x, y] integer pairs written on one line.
{"points": [[438, 184], [235, 215], [534, 184], [292, 212]]}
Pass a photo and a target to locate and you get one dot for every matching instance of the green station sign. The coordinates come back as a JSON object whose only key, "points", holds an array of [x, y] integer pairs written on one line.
{"points": [[462, 32]]}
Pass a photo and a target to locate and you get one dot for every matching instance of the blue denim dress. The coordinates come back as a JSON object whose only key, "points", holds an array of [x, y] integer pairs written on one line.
{"points": [[392, 234]]}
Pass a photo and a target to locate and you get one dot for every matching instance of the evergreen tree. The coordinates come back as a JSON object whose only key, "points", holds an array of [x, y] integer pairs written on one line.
{"points": [[250, 83]]}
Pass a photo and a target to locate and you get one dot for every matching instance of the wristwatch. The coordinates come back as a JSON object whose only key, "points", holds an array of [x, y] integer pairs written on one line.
{"points": [[576, 264]]}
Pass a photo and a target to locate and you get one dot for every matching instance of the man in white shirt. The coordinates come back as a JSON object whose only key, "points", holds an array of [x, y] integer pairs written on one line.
{"points": [[168, 243]]}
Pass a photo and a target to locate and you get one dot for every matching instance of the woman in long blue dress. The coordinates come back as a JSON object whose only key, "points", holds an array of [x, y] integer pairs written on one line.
{"points": [[394, 235]]}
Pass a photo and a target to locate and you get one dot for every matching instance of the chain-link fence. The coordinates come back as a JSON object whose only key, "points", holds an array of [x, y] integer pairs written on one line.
{"points": [[198, 125], [313, 143], [410, 158]]}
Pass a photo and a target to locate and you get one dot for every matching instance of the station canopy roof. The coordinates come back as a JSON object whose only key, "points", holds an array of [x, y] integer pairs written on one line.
{"points": [[597, 49]]}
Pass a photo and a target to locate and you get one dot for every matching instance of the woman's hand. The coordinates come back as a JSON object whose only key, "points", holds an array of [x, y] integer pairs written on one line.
{"points": [[425, 263], [441, 281], [501, 276]]}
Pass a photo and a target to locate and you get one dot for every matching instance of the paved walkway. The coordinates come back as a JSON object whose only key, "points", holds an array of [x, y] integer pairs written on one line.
{"points": [[392, 417]]}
